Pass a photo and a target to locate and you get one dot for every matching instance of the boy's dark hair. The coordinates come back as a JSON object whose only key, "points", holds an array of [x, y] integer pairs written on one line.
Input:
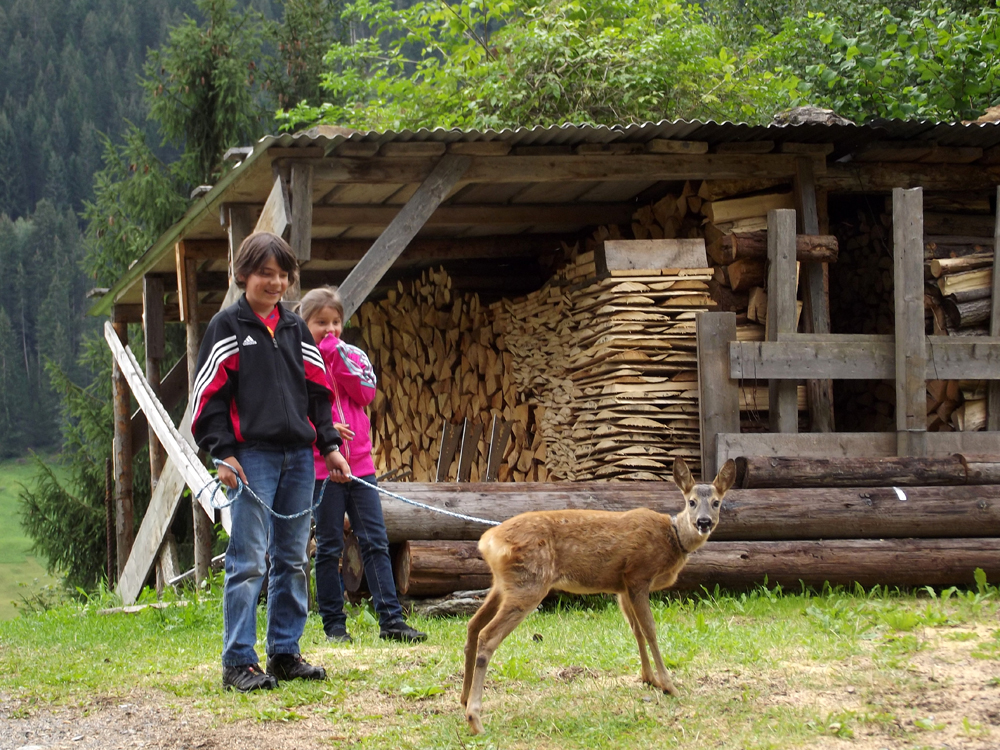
{"points": [[255, 251]]}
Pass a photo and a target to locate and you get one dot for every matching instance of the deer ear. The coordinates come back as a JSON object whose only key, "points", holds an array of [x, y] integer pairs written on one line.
{"points": [[682, 475], [725, 478]]}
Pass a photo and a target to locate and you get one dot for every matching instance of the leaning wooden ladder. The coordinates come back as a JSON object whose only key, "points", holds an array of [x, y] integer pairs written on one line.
{"points": [[909, 357]]}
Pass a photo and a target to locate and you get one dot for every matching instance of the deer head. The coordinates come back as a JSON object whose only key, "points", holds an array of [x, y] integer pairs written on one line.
{"points": [[702, 502]]}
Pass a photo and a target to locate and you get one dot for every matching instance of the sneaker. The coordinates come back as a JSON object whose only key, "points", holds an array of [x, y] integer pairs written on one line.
{"points": [[400, 631], [247, 677], [339, 636], [293, 667]]}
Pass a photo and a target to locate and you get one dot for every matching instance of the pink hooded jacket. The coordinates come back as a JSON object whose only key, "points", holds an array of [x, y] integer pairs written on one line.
{"points": [[352, 382]]}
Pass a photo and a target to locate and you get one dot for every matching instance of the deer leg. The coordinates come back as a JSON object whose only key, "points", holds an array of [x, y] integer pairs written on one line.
{"points": [[483, 615], [639, 599], [626, 605], [515, 607]]}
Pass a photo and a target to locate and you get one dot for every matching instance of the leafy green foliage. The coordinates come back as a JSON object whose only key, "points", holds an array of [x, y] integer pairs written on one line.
{"points": [[470, 64]]}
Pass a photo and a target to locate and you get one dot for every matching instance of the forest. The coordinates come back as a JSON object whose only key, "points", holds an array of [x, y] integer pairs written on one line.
{"points": [[112, 112]]}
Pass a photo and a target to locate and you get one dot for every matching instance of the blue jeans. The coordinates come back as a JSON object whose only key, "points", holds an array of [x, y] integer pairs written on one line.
{"points": [[365, 511], [283, 478]]}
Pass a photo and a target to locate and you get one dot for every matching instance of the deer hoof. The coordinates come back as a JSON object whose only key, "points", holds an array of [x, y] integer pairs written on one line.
{"points": [[475, 725]]}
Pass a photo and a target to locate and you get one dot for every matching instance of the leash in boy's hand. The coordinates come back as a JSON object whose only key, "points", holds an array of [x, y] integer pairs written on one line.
{"points": [[227, 476]]}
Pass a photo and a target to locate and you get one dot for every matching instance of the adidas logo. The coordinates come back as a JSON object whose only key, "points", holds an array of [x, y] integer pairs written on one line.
{"points": [[248, 341]]}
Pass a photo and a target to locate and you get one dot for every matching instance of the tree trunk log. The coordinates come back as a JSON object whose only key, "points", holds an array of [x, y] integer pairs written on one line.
{"points": [[764, 514], [755, 472], [819, 248], [741, 565], [964, 314]]}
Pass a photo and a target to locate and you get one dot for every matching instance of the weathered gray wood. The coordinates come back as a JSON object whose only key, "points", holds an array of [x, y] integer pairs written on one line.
{"points": [[469, 213], [173, 388], [121, 451], [648, 254], [993, 388], [911, 345], [764, 514], [451, 434], [499, 437], [878, 178], [201, 518], [274, 216], [403, 228], [154, 331], [240, 225], [872, 444], [300, 237], [718, 394], [754, 472], [577, 168], [816, 301], [471, 432], [888, 562], [781, 312], [861, 357]]}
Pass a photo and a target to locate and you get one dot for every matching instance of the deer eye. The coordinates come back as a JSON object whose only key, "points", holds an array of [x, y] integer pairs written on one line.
{"points": [[691, 503], [715, 504]]}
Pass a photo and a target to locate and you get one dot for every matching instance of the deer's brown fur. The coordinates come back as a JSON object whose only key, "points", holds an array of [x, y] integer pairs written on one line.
{"points": [[588, 552]]}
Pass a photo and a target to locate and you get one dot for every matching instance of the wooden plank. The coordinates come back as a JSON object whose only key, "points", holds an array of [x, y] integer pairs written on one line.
{"points": [[469, 450], [745, 147], [121, 449], [879, 177], [461, 214], [574, 168], [622, 255], [993, 387], [733, 209], [763, 514], [865, 471], [479, 148], [403, 228], [154, 330], [274, 216], [781, 312], [862, 357], [300, 237], [155, 524], [718, 394], [815, 295], [413, 148], [667, 146], [911, 345], [849, 444], [173, 388]]}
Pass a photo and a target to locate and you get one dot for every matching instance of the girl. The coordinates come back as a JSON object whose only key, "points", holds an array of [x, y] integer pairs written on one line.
{"points": [[352, 382]]}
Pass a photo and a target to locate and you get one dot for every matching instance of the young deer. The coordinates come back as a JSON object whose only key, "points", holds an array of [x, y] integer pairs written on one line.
{"points": [[588, 552]]}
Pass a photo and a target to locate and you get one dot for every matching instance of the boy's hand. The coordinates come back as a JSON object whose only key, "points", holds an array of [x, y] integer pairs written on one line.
{"points": [[337, 465], [226, 475], [346, 433]]}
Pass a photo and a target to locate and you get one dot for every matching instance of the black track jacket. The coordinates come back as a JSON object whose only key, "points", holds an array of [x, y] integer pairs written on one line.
{"points": [[251, 388]]}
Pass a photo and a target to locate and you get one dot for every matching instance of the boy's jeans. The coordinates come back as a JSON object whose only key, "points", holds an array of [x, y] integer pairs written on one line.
{"points": [[283, 478], [365, 511]]}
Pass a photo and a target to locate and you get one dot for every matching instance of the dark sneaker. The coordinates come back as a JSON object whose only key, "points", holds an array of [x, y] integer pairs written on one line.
{"points": [[247, 677], [293, 667], [339, 636], [400, 631]]}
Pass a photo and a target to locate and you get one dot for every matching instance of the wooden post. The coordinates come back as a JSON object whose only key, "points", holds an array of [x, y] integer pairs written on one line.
{"points": [[393, 241], [718, 394], [300, 237], [815, 294], [153, 330], [782, 397], [202, 524], [911, 343], [240, 226], [122, 453], [993, 387]]}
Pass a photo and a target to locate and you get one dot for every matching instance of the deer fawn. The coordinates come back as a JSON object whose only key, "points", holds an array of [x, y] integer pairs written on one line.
{"points": [[588, 552]]}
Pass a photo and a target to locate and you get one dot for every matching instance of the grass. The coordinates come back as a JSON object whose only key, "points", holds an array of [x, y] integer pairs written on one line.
{"points": [[21, 573], [757, 671]]}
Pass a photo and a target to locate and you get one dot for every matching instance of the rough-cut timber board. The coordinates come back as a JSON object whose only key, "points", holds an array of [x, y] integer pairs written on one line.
{"points": [[622, 255], [764, 514]]}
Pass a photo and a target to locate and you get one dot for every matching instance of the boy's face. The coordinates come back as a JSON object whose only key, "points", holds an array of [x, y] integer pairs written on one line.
{"points": [[265, 286]]}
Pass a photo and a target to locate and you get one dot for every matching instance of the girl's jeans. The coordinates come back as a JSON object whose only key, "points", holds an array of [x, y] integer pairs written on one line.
{"points": [[283, 478], [365, 511]]}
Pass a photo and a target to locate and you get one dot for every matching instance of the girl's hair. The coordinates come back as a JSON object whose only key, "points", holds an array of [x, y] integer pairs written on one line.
{"points": [[319, 298], [254, 252]]}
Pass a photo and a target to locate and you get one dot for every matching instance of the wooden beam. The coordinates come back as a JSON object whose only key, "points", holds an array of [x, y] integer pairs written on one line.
{"points": [[173, 387], [239, 226], [403, 228], [911, 344], [274, 217], [781, 312], [121, 450], [572, 168], [883, 178], [815, 294], [302, 211], [850, 444], [460, 214], [718, 394], [993, 387], [861, 357], [154, 330]]}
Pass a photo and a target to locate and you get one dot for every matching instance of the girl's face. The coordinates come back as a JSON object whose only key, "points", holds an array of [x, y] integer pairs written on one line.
{"points": [[324, 322], [265, 286]]}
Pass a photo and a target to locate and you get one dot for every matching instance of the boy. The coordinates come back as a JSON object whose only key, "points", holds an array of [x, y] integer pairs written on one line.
{"points": [[260, 400]]}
